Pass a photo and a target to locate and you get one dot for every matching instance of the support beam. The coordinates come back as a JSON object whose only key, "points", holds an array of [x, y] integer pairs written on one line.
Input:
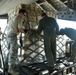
{"points": [[67, 15], [5, 16]]}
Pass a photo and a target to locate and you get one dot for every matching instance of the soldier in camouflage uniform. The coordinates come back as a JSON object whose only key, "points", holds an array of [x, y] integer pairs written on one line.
{"points": [[14, 27]]}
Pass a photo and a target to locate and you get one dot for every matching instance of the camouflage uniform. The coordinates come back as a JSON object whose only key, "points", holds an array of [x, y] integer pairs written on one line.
{"points": [[12, 47], [12, 31]]}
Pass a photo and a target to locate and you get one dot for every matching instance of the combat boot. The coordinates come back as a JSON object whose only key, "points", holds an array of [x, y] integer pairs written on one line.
{"points": [[12, 71]]}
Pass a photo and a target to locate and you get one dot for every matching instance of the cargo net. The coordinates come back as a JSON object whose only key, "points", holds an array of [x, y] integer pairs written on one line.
{"points": [[35, 51], [31, 47]]}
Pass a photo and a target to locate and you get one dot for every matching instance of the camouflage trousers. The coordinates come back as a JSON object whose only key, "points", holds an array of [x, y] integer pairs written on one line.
{"points": [[12, 49]]}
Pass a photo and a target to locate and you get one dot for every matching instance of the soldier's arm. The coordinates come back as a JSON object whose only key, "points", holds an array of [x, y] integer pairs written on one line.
{"points": [[56, 26], [40, 28]]}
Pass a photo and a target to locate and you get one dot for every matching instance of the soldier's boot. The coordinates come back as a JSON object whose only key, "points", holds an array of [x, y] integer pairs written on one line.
{"points": [[12, 71]]}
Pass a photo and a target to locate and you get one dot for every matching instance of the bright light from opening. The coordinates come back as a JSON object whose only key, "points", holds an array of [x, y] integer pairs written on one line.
{"points": [[3, 23], [66, 23]]}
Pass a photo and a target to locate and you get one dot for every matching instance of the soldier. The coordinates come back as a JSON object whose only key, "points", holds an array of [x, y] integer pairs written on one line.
{"points": [[50, 28], [14, 27]]}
